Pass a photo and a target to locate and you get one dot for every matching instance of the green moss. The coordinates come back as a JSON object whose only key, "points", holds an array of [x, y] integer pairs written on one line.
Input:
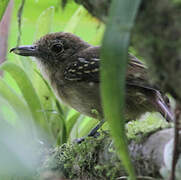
{"points": [[96, 158], [150, 123], [83, 161]]}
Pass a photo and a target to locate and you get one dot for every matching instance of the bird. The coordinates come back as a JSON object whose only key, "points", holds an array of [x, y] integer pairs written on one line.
{"points": [[72, 67]]}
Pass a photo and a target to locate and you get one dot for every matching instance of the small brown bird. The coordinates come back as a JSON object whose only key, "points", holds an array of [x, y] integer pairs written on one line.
{"points": [[72, 68]]}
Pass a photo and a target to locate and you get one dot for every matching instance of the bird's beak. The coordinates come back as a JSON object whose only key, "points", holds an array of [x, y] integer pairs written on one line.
{"points": [[25, 50]]}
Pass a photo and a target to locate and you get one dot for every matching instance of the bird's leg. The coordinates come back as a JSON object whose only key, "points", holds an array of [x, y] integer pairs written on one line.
{"points": [[92, 133]]}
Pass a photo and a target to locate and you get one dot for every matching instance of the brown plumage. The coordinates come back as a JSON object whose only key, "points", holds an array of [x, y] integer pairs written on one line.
{"points": [[72, 68]]}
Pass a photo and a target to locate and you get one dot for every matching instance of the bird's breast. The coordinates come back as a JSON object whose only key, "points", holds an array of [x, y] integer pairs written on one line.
{"points": [[82, 96]]}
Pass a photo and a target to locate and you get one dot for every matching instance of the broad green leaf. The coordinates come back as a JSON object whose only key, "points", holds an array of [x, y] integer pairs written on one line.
{"points": [[80, 126], [3, 5], [113, 72], [63, 133], [87, 126], [43, 26], [71, 122], [98, 35], [75, 19], [52, 107], [27, 64], [45, 94], [44, 22], [14, 100], [74, 133], [16, 105], [18, 153], [29, 94], [57, 119]]}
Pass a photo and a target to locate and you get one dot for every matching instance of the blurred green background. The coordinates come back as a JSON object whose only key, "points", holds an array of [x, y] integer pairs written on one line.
{"points": [[86, 26]]}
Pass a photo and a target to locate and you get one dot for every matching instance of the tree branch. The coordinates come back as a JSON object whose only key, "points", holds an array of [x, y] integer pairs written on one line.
{"points": [[97, 159]]}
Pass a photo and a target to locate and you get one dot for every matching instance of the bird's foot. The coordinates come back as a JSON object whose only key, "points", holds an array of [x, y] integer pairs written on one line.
{"points": [[80, 140]]}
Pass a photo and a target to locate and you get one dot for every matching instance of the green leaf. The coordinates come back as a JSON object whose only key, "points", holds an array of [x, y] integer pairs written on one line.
{"points": [[3, 5], [71, 122], [74, 133], [51, 103], [45, 94], [44, 22], [113, 72], [87, 126], [63, 132], [17, 103], [29, 94], [75, 19]]}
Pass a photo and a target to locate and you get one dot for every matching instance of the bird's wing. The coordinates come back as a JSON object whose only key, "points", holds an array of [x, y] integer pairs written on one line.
{"points": [[88, 70], [137, 74], [83, 70]]}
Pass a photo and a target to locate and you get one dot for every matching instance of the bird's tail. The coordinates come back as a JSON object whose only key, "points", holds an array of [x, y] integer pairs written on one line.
{"points": [[163, 106]]}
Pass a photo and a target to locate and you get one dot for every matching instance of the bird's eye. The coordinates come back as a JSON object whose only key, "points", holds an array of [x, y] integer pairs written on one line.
{"points": [[57, 48]]}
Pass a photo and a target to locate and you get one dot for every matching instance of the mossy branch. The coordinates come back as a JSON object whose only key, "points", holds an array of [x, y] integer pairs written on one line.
{"points": [[96, 158]]}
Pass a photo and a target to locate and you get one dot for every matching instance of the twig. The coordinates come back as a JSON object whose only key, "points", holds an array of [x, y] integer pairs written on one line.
{"points": [[19, 15]]}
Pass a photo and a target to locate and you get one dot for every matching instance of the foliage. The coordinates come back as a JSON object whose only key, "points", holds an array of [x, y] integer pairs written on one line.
{"points": [[77, 161], [115, 47], [3, 5], [28, 103], [36, 95], [29, 107]]}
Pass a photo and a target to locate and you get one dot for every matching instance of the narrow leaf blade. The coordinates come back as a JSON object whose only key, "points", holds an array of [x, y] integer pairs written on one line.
{"points": [[28, 92], [45, 22], [113, 73]]}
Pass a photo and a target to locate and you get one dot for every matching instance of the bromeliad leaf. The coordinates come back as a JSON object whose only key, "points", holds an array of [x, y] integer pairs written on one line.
{"points": [[44, 22], [18, 105], [29, 94], [75, 19], [113, 73]]}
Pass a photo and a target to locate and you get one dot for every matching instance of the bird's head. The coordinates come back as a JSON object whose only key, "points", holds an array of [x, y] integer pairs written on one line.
{"points": [[53, 48]]}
